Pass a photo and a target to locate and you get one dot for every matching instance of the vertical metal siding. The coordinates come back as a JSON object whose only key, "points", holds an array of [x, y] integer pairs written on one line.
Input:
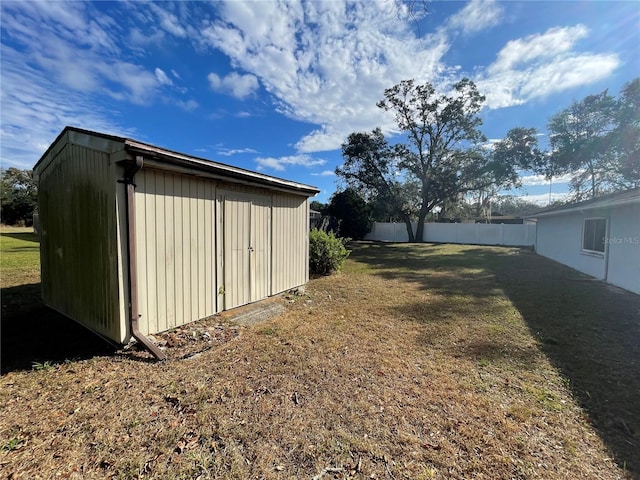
{"points": [[176, 248], [122, 245], [79, 251], [290, 242], [260, 254], [237, 241], [246, 226]]}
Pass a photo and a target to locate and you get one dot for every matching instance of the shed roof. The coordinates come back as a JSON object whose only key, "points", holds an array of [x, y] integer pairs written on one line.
{"points": [[189, 163], [613, 199]]}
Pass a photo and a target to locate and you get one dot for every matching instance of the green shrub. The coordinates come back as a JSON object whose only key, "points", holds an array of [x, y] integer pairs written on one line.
{"points": [[326, 252]]}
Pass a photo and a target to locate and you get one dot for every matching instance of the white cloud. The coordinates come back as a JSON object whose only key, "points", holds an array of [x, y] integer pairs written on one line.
{"points": [[544, 198], [32, 117], [187, 105], [60, 62], [138, 39], [326, 63], [490, 144], [281, 163], [162, 77], [565, 74], [240, 86], [532, 180], [140, 85], [547, 45], [325, 173], [227, 152], [477, 15], [540, 65], [80, 53], [168, 21], [323, 63]]}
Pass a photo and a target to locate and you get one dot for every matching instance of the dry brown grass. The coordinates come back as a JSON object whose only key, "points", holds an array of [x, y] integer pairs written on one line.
{"points": [[417, 361]]}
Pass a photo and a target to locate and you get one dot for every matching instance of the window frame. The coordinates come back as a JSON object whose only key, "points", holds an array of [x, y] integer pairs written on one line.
{"points": [[583, 239]]}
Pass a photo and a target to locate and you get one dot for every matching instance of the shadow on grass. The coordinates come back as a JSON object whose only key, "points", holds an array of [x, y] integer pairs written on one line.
{"points": [[33, 333], [590, 331], [24, 236]]}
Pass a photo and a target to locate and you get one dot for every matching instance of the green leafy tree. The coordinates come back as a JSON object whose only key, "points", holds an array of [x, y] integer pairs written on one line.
{"points": [[578, 135], [442, 155], [403, 207], [511, 205], [518, 150], [353, 213], [371, 168], [520, 147], [319, 206], [624, 141], [442, 151], [19, 196], [596, 140]]}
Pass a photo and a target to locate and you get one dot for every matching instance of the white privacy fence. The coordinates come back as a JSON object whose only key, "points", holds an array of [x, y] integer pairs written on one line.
{"points": [[469, 233]]}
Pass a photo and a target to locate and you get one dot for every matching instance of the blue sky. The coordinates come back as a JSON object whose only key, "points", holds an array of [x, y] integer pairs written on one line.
{"points": [[278, 86]]}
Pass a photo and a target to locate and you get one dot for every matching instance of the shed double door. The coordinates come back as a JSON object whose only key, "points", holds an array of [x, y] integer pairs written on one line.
{"points": [[247, 249]]}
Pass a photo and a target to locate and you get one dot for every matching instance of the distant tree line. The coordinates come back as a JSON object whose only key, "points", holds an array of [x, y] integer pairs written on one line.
{"points": [[19, 196]]}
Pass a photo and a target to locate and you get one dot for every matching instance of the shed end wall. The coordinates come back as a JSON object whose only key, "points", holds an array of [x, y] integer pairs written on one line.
{"points": [[79, 255]]}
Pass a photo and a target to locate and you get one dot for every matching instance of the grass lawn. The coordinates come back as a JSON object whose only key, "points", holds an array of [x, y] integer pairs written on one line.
{"points": [[415, 362], [19, 257]]}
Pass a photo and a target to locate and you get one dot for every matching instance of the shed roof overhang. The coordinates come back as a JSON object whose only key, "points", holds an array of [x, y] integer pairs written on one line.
{"points": [[164, 159], [181, 163]]}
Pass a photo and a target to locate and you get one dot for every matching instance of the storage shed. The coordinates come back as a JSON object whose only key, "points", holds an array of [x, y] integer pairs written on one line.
{"points": [[136, 239], [599, 237]]}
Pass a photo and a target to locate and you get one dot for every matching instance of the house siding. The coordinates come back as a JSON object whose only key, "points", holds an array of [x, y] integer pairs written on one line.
{"points": [[624, 248], [560, 238]]}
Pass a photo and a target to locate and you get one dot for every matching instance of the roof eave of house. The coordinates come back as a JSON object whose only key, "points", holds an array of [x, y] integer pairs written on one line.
{"points": [[578, 207]]}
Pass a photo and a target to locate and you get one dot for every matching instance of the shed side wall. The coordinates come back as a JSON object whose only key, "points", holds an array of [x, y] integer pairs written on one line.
{"points": [[290, 242], [175, 243], [79, 260], [624, 248]]}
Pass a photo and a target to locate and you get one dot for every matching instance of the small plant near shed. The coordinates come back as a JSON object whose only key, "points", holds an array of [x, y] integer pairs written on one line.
{"points": [[326, 252], [12, 444], [43, 366]]}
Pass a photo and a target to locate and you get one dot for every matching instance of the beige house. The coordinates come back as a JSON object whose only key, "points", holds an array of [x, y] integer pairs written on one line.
{"points": [[136, 239]]}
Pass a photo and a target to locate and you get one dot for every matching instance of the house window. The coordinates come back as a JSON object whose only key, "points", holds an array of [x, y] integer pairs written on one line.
{"points": [[594, 232]]}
